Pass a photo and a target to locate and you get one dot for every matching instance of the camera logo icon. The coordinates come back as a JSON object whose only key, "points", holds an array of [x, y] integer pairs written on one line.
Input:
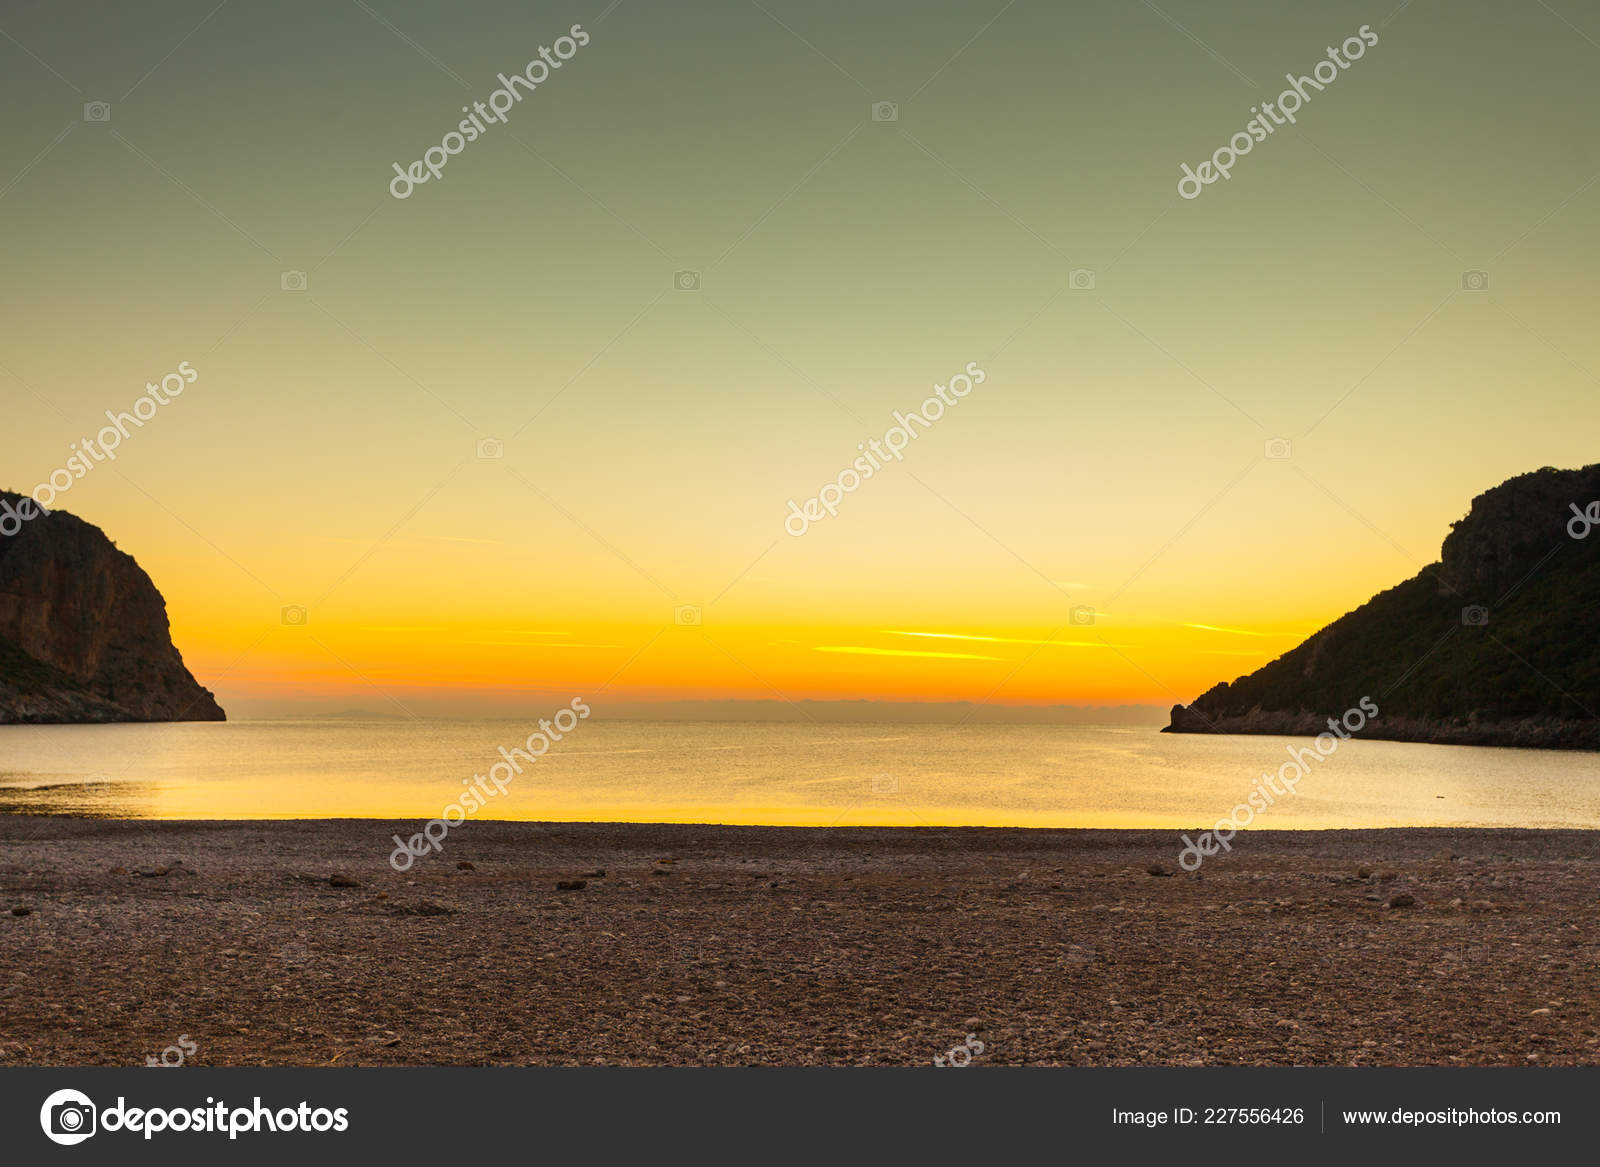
{"points": [[1081, 615], [97, 111], [1476, 280], [295, 616], [1082, 279], [686, 615], [1279, 449], [294, 953], [686, 280], [885, 784], [293, 281], [886, 111], [1475, 616], [490, 448], [68, 1117]]}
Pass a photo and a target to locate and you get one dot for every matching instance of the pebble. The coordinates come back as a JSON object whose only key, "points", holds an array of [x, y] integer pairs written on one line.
{"points": [[572, 884], [466, 865], [1160, 871], [975, 1024], [1402, 900], [340, 880], [24, 910]]}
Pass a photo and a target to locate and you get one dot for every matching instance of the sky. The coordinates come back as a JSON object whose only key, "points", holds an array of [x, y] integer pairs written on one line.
{"points": [[532, 431]]}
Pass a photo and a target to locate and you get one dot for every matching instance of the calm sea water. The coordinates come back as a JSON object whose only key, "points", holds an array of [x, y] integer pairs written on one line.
{"points": [[992, 775]]}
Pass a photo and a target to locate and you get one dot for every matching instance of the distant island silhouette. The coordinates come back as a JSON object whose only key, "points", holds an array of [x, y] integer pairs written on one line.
{"points": [[1496, 644], [83, 631]]}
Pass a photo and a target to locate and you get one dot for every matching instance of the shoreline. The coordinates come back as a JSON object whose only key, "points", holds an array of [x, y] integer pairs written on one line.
{"points": [[738, 945], [1523, 734]]}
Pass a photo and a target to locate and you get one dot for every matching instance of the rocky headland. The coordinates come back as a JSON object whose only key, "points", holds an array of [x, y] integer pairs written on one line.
{"points": [[1497, 644], [83, 631]]}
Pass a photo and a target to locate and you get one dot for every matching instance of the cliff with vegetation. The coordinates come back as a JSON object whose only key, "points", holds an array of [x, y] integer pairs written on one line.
{"points": [[1496, 644], [83, 630]]}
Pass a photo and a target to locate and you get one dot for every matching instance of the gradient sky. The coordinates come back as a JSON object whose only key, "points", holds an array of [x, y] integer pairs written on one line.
{"points": [[1114, 458]]}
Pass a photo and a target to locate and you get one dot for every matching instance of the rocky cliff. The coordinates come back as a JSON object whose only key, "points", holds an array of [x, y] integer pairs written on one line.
{"points": [[1496, 644], [83, 631]]}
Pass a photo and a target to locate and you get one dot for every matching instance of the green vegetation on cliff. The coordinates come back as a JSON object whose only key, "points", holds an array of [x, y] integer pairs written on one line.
{"points": [[1498, 643]]}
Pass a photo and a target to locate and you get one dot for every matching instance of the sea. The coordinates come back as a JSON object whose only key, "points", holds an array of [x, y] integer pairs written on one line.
{"points": [[781, 773]]}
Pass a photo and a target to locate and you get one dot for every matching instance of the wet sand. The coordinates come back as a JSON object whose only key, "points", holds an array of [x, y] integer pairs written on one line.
{"points": [[789, 946]]}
